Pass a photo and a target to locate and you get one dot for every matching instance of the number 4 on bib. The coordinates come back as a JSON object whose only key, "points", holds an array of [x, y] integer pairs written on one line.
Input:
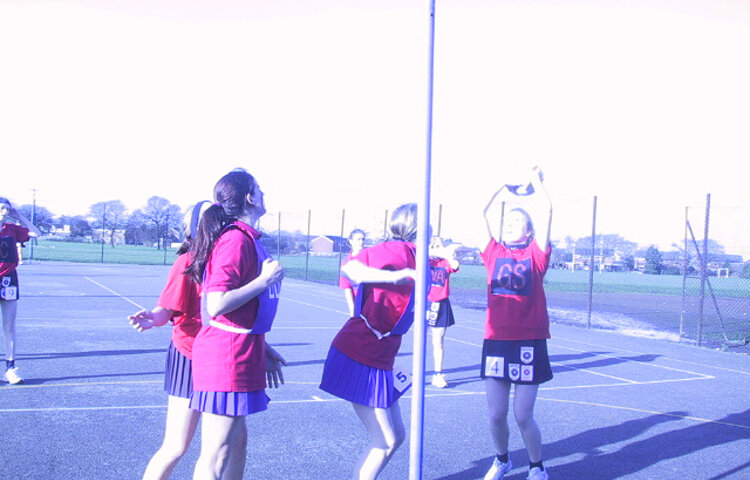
{"points": [[494, 367]]}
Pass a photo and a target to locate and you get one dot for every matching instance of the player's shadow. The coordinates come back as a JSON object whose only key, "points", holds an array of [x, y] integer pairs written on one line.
{"points": [[454, 381], [635, 456], [42, 381], [559, 366], [93, 353]]}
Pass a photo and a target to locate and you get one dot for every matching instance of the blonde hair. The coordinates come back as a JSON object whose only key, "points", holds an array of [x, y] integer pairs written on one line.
{"points": [[404, 222]]}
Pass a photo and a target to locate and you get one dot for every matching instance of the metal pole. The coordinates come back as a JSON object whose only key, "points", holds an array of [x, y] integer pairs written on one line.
{"points": [[307, 255], [341, 241], [684, 276], [440, 218], [704, 273], [591, 266], [104, 217], [164, 240], [33, 222], [278, 239], [420, 304], [385, 225]]}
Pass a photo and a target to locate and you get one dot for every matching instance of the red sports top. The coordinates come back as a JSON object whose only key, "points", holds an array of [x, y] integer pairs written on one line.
{"points": [[10, 235], [441, 270], [382, 305], [226, 361], [182, 295], [516, 304]]}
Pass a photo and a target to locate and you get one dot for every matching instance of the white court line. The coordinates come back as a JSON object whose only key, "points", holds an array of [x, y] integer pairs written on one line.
{"points": [[651, 364], [315, 306], [112, 291]]}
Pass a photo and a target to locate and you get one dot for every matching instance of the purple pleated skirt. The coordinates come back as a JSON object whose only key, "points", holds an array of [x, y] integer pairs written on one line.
{"points": [[235, 404], [178, 374], [348, 379]]}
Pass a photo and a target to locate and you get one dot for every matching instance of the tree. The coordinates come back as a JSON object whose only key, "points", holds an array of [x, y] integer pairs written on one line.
{"points": [[164, 217], [43, 218], [110, 216], [79, 226], [746, 270], [653, 260]]}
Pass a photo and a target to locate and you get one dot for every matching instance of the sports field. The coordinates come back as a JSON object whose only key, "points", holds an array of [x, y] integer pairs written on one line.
{"points": [[619, 407]]}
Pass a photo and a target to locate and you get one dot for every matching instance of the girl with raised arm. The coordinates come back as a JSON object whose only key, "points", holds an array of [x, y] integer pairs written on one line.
{"points": [[517, 326], [360, 363]]}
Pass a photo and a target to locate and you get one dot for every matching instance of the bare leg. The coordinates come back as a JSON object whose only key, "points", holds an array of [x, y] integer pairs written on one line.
{"points": [[181, 424], [217, 439], [387, 433], [523, 408], [237, 454], [498, 395], [9, 309], [438, 352]]}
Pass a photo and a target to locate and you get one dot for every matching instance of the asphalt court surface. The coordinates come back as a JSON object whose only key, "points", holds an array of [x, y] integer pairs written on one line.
{"points": [[93, 407]]}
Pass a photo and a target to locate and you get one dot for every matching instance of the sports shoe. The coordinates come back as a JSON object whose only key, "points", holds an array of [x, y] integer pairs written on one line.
{"points": [[498, 470], [11, 375], [537, 473], [438, 380]]}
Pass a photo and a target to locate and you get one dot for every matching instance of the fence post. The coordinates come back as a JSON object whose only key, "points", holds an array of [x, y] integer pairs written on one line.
{"points": [[385, 225], [278, 239], [307, 256], [440, 218], [341, 241], [684, 276], [591, 266], [704, 272]]}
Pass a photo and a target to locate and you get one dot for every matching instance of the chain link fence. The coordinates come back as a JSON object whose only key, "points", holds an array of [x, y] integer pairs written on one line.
{"points": [[675, 272]]}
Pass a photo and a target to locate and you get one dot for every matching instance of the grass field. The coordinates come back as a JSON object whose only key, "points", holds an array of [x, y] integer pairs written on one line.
{"points": [[325, 269]]}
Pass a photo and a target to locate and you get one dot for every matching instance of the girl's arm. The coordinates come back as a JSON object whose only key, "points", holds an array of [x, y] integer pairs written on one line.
{"points": [[219, 303], [146, 319], [540, 208], [274, 361], [486, 215], [358, 272], [33, 231]]}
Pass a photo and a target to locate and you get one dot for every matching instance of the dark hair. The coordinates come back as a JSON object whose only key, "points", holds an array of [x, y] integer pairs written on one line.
{"points": [[5, 201], [229, 193], [356, 231]]}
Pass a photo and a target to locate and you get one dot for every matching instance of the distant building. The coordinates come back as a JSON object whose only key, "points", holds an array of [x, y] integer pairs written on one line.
{"points": [[329, 244]]}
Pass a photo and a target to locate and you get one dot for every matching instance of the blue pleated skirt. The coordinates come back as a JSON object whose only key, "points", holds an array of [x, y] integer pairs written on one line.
{"points": [[178, 374], [348, 379], [235, 404]]}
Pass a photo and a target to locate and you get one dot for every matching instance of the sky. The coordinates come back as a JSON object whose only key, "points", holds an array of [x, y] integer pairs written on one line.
{"points": [[643, 104]]}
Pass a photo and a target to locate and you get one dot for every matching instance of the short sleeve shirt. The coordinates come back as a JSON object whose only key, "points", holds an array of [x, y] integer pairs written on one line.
{"points": [[516, 304], [182, 295], [10, 235]]}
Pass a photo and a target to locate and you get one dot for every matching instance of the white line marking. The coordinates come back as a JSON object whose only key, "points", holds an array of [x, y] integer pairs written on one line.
{"points": [[593, 372], [316, 306], [661, 356], [112, 291], [650, 412]]}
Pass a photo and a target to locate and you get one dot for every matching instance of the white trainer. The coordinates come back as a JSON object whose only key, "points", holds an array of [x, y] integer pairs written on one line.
{"points": [[537, 473], [11, 375], [438, 380], [498, 470]]}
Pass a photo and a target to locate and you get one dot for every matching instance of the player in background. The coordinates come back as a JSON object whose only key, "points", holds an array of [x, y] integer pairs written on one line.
{"points": [[517, 326], [10, 235], [356, 243], [439, 312]]}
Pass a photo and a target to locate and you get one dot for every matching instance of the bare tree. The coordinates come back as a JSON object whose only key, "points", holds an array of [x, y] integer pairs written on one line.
{"points": [[163, 216], [110, 215]]}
